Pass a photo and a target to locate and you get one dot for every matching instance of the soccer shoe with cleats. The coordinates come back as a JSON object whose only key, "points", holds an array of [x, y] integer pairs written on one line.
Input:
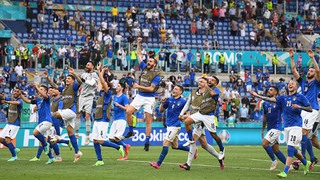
{"points": [[306, 168], [129, 135], [154, 164], [99, 163], [282, 175], [126, 150], [221, 162], [184, 166], [313, 163], [121, 151], [296, 164], [58, 159], [221, 154], [188, 143], [51, 160], [195, 154], [77, 156], [46, 149], [274, 165], [13, 159], [70, 145], [34, 159], [146, 146]]}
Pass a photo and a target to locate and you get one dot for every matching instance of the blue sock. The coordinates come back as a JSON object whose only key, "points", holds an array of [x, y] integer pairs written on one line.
{"points": [[74, 143], [50, 154], [281, 157], [41, 138], [181, 147], [130, 128], [110, 144], [147, 139], [4, 143], [286, 169], [63, 141], [56, 149], [40, 149], [121, 143], [304, 145], [270, 153], [190, 135], [310, 150], [97, 149], [220, 146], [303, 161], [163, 154], [11, 149]]}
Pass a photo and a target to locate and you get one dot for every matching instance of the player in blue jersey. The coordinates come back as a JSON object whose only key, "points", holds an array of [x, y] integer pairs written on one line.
{"points": [[272, 119], [120, 103], [68, 112], [102, 119], [291, 106], [148, 83], [44, 118], [310, 87], [12, 127], [174, 105]]}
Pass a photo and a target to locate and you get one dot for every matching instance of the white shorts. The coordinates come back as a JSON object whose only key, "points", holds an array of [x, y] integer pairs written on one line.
{"points": [[172, 133], [199, 129], [249, 87], [85, 104], [50, 133], [43, 127], [309, 118], [99, 131], [208, 121], [68, 117], [293, 136], [146, 102], [272, 136], [117, 129], [9, 131]]}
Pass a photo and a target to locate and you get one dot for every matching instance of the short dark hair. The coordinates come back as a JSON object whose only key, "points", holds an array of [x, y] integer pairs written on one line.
{"points": [[70, 75], [181, 88], [204, 78], [275, 88], [216, 78], [91, 63], [44, 86]]}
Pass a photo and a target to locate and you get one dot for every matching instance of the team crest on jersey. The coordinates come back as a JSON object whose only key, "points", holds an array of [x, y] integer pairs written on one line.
{"points": [[224, 136], [178, 104], [294, 98], [305, 88], [274, 106]]}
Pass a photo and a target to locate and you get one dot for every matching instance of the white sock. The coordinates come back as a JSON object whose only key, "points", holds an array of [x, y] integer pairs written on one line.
{"points": [[88, 126], [191, 153], [211, 150]]}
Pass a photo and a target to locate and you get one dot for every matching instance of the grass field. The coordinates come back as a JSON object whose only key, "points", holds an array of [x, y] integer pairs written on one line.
{"points": [[242, 162]]}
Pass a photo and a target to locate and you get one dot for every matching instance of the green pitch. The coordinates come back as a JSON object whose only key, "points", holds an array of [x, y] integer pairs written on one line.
{"points": [[242, 162]]}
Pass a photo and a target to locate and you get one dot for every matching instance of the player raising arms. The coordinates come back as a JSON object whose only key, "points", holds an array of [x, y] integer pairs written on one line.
{"points": [[68, 112], [12, 127], [44, 118], [310, 87], [195, 102], [149, 80], [272, 119], [291, 106], [174, 106], [102, 119]]}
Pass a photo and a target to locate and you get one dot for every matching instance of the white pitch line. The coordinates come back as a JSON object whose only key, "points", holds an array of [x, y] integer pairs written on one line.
{"points": [[226, 166], [264, 160]]}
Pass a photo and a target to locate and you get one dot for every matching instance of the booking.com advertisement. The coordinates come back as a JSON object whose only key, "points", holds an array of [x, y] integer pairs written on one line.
{"points": [[229, 136]]}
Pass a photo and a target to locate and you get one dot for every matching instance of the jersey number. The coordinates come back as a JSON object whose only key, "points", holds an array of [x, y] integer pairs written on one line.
{"points": [[306, 121], [288, 103], [293, 138], [269, 110], [271, 134]]}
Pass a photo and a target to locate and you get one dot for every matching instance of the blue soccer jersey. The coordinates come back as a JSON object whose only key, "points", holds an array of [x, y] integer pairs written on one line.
{"points": [[155, 82], [120, 114], [44, 109], [292, 116], [272, 111], [174, 107], [310, 90], [18, 112]]}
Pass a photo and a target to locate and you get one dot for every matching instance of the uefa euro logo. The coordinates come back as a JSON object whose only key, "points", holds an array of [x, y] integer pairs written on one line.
{"points": [[224, 136]]}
